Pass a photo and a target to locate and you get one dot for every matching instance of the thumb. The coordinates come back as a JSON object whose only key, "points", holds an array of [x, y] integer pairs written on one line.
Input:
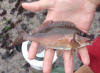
{"points": [[35, 6]]}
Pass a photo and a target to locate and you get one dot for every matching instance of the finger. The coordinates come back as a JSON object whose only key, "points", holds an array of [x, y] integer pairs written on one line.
{"points": [[47, 65], [35, 6], [68, 62], [84, 55], [32, 50]]}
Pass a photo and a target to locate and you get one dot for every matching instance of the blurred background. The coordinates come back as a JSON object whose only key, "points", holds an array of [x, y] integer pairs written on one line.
{"points": [[11, 15]]}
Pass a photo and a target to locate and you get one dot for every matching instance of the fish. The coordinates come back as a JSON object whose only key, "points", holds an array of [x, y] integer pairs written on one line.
{"points": [[57, 35]]}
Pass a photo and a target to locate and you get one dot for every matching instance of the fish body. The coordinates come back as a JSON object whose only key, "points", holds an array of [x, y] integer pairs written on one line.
{"points": [[58, 35]]}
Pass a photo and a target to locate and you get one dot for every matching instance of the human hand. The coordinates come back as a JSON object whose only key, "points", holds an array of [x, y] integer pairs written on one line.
{"points": [[80, 12]]}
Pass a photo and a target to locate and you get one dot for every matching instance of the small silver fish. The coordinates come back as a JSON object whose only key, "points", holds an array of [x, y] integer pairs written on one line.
{"points": [[58, 35]]}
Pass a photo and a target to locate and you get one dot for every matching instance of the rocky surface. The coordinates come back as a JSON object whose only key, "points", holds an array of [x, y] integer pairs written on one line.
{"points": [[11, 15]]}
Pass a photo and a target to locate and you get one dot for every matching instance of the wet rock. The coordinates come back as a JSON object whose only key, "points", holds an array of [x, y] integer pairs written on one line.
{"points": [[11, 1], [17, 4], [8, 54], [18, 47], [12, 10], [6, 28], [18, 21], [3, 72], [99, 19], [3, 12], [1, 0], [3, 39], [20, 10], [26, 66], [29, 14]]}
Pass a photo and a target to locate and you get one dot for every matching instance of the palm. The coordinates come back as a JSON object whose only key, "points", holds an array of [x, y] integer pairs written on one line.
{"points": [[79, 12]]}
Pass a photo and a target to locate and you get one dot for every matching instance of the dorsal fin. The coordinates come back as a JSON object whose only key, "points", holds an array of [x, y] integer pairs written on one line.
{"points": [[49, 25]]}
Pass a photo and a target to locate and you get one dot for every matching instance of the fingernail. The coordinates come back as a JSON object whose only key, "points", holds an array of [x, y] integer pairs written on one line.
{"points": [[25, 4], [30, 57]]}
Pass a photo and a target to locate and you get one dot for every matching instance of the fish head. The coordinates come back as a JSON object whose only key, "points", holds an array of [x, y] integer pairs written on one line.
{"points": [[83, 41]]}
